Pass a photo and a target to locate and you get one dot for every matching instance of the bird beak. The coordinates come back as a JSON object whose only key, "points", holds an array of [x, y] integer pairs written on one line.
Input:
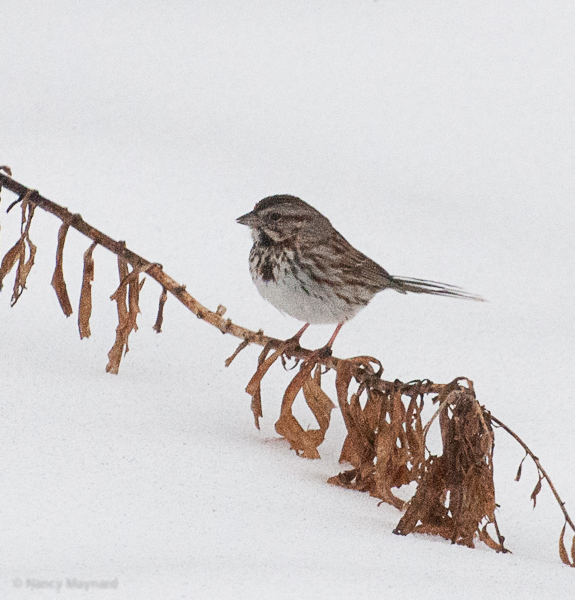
{"points": [[248, 219]]}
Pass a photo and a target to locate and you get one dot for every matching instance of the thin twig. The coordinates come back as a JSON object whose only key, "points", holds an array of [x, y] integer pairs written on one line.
{"points": [[154, 270], [539, 467]]}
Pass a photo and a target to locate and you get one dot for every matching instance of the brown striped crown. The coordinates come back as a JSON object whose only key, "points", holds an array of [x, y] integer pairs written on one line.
{"points": [[282, 217]]}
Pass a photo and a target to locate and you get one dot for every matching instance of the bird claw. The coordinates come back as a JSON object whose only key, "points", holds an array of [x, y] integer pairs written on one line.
{"points": [[319, 355], [291, 345], [284, 363], [324, 352]]}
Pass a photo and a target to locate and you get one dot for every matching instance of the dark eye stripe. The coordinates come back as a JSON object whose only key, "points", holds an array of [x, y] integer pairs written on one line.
{"points": [[287, 218]]}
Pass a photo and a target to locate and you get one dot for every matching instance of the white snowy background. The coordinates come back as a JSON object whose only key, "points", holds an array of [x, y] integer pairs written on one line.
{"points": [[438, 137]]}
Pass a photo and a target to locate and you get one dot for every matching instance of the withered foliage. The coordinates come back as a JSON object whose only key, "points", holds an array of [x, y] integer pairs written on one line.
{"points": [[58, 282], [17, 254], [127, 298], [567, 559], [85, 308], [160, 318], [385, 444], [455, 494], [305, 442]]}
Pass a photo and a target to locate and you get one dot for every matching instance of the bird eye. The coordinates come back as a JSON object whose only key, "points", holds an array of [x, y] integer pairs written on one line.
{"points": [[275, 216]]}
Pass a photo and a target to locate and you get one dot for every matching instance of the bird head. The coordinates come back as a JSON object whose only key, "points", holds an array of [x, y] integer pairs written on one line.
{"points": [[283, 217]]}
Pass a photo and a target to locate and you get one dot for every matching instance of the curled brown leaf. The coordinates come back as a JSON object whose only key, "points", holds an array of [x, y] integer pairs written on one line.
{"points": [[305, 442], [160, 318], [58, 282], [9, 260], [287, 425], [127, 302], [563, 551], [24, 266], [535, 492], [488, 540], [85, 307], [241, 346], [520, 468], [254, 386]]}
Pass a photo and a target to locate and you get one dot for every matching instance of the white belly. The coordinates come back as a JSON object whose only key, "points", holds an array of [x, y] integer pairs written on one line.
{"points": [[305, 299]]}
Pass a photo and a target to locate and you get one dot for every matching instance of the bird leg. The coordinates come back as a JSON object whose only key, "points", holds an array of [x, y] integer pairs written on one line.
{"points": [[332, 338], [324, 352], [291, 344], [294, 341]]}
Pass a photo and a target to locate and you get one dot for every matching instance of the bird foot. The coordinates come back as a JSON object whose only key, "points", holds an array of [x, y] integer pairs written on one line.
{"points": [[324, 352], [291, 344], [319, 355]]}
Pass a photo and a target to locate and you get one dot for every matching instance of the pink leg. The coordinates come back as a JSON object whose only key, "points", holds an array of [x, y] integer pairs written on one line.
{"points": [[298, 335], [332, 339]]}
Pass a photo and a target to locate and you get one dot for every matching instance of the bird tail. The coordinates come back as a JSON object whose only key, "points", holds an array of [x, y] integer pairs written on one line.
{"points": [[406, 285]]}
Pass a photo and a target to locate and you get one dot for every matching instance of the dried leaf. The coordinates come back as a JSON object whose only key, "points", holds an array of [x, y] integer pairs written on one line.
{"points": [[10, 260], [518, 476], [160, 318], [85, 307], [242, 345], [126, 297], [427, 529], [58, 282], [562, 550], [263, 368], [463, 474], [27, 266], [288, 426], [428, 504], [320, 405], [24, 266], [256, 407], [535, 492], [488, 540], [254, 386], [18, 287], [134, 287], [361, 424], [354, 479], [414, 435], [342, 381], [348, 452], [391, 452], [318, 401]]}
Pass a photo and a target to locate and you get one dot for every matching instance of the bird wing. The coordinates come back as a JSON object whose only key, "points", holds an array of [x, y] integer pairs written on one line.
{"points": [[358, 268]]}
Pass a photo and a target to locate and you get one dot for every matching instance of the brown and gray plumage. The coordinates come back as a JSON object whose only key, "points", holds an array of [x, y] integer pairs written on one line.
{"points": [[308, 270]]}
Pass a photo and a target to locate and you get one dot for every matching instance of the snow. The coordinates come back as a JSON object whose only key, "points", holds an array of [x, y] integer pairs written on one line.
{"points": [[437, 137]]}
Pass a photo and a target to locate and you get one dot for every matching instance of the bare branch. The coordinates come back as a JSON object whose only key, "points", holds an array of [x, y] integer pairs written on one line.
{"points": [[156, 272], [540, 469]]}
